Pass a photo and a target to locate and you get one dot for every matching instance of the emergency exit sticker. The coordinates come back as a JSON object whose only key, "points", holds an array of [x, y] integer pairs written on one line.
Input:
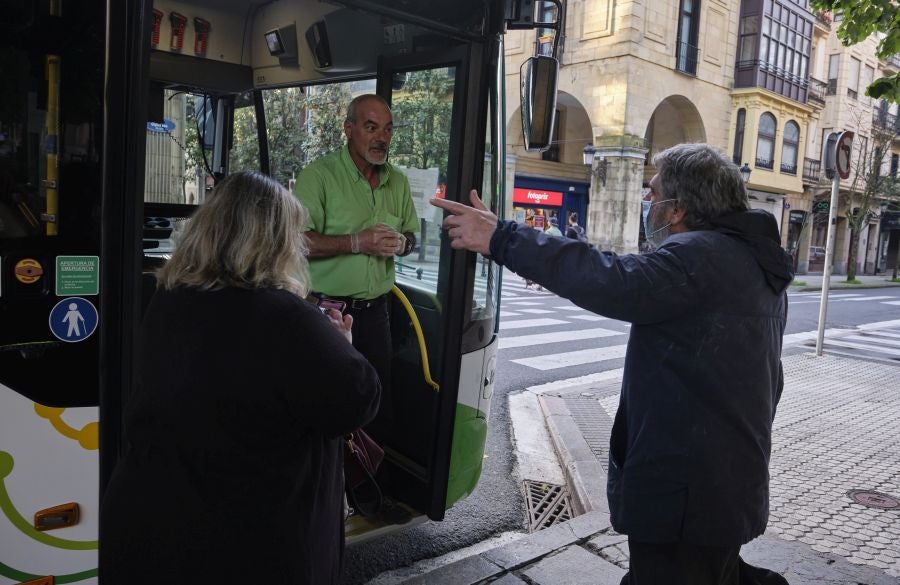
{"points": [[77, 275]]}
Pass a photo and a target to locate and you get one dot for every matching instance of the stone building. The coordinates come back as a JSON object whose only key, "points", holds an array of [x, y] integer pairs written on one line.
{"points": [[764, 80]]}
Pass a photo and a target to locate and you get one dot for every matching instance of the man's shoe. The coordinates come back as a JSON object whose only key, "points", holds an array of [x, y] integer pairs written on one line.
{"points": [[390, 512]]}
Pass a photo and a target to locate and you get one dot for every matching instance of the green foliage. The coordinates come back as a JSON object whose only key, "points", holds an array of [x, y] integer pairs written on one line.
{"points": [[422, 113], [861, 19], [798, 283]]}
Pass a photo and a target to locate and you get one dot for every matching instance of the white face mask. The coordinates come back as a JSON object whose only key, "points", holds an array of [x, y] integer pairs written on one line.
{"points": [[655, 235]]}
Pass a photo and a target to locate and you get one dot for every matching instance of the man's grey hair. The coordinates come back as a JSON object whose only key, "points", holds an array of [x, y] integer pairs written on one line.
{"points": [[703, 180], [354, 104]]}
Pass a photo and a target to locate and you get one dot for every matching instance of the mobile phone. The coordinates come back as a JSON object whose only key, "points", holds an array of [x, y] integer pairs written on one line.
{"points": [[325, 304]]}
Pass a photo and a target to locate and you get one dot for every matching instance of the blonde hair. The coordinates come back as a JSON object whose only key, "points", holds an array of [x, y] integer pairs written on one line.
{"points": [[248, 234]]}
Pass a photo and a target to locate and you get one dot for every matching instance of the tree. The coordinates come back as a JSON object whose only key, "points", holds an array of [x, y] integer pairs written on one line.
{"points": [[422, 113], [868, 183], [862, 18]]}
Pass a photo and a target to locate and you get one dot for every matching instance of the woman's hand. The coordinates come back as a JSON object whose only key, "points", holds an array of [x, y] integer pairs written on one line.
{"points": [[343, 323]]}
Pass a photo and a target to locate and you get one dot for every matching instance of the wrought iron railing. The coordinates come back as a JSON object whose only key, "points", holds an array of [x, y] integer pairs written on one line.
{"points": [[816, 90], [764, 163], [686, 58], [788, 169], [812, 169], [831, 88], [884, 120]]}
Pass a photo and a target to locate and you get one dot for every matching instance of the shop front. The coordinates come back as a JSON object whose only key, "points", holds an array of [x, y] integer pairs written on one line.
{"points": [[535, 201]]}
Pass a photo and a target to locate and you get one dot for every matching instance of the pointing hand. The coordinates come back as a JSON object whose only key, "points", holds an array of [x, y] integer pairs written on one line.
{"points": [[469, 228]]}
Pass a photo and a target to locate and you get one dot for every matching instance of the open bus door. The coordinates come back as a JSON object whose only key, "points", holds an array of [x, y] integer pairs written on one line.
{"points": [[446, 302]]}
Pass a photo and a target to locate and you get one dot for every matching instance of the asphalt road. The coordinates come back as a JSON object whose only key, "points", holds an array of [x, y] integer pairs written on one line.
{"points": [[496, 506]]}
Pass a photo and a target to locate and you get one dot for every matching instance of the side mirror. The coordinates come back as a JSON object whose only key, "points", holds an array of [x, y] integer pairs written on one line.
{"points": [[538, 80]]}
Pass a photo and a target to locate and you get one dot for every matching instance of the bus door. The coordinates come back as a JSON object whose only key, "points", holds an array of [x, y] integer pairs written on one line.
{"points": [[444, 311]]}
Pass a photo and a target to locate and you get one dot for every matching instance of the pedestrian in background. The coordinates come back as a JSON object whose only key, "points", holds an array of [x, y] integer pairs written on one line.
{"points": [[573, 230], [553, 228], [689, 451], [232, 469]]}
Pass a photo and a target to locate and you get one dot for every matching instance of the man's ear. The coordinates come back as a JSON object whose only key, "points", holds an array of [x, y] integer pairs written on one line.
{"points": [[347, 128], [678, 214]]}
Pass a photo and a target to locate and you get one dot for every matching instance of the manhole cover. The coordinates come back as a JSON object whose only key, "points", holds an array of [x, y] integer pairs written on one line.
{"points": [[548, 504], [874, 499]]}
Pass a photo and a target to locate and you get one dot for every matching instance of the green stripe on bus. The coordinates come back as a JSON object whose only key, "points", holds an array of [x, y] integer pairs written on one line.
{"points": [[17, 575], [17, 520], [467, 453]]}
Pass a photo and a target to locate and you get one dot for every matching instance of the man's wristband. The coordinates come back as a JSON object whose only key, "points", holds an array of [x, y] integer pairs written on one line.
{"points": [[408, 244], [354, 243]]}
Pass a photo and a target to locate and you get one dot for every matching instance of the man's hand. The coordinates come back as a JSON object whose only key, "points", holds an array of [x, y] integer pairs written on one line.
{"points": [[379, 240], [469, 228]]}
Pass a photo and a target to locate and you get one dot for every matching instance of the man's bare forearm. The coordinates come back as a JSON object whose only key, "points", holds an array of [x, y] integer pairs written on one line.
{"points": [[322, 246]]}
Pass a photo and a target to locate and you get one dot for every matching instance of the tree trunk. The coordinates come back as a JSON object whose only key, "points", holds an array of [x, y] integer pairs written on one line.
{"points": [[851, 254]]}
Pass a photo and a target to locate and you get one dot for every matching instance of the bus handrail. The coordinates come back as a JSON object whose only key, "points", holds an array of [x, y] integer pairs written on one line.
{"points": [[420, 337]]}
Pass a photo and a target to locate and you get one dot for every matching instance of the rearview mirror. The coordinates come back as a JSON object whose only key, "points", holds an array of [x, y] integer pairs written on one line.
{"points": [[538, 79]]}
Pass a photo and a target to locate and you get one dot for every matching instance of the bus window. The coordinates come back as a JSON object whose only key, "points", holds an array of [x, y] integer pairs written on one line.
{"points": [[243, 154]]}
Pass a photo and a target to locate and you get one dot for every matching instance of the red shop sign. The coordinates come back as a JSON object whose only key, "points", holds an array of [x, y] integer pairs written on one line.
{"points": [[537, 197]]}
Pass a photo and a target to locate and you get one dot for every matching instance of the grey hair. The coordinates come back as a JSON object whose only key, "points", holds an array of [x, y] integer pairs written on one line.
{"points": [[248, 234], [703, 180], [354, 105]]}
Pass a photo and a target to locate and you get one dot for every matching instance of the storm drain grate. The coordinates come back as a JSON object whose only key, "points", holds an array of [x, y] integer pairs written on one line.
{"points": [[874, 499], [548, 504]]}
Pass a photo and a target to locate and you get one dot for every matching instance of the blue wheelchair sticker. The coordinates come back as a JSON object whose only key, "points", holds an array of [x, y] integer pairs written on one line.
{"points": [[73, 319]]}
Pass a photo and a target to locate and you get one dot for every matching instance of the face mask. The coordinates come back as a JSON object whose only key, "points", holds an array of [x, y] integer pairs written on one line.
{"points": [[655, 235]]}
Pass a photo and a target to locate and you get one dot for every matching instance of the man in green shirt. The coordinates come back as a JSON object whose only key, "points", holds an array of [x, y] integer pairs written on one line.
{"points": [[361, 215]]}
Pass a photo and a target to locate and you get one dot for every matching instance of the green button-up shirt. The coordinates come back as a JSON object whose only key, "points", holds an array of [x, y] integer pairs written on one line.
{"points": [[340, 201]]}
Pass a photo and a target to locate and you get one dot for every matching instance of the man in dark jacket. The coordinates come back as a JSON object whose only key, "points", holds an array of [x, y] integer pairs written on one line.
{"points": [[689, 452]]}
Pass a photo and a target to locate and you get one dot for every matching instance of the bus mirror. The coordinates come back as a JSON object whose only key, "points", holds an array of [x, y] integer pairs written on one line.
{"points": [[538, 79]]}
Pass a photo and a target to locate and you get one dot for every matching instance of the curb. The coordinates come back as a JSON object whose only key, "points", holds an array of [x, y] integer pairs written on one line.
{"points": [[844, 286], [583, 473]]}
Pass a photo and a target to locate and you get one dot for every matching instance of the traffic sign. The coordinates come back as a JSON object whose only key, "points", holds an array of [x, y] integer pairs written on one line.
{"points": [[842, 154], [73, 319]]}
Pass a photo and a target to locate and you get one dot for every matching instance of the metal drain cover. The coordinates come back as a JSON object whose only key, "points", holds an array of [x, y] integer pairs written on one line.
{"points": [[548, 504], [874, 499]]}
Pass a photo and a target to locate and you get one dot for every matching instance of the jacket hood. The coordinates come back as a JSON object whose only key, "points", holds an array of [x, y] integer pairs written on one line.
{"points": [[759, 230]]}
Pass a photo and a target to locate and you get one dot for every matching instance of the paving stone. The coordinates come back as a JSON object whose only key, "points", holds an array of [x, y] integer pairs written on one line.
{"points": [[508, 579], [526, 550], [574, 566], [589, 524], [605, 540], [464, 572]]}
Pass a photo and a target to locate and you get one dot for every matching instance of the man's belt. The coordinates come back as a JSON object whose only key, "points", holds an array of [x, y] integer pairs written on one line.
{"points": [[354, 304]]}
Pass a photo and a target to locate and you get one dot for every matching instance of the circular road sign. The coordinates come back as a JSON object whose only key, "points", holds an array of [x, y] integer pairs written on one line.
{"points": [[842, 154]]}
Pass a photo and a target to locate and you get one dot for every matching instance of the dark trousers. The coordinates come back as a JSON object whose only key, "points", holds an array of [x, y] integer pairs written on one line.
{"points": [[372, 338], [689, 564]]}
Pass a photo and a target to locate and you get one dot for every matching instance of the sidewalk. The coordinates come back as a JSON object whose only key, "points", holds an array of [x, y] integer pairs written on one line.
{"points": [[835, 431], [813, 282]]}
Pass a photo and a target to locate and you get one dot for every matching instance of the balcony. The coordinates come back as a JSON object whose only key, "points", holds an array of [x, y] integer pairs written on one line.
{"points": [[788, 169], [763, 163], [886, 121], [816, 91], [686, 58], [812, 169]]}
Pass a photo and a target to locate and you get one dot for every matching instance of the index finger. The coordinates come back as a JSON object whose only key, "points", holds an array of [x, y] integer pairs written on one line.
{"points": [[452, 206]]}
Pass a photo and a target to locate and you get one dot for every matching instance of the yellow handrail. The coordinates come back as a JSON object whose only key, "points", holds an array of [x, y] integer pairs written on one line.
{"points": [[426, 371]]}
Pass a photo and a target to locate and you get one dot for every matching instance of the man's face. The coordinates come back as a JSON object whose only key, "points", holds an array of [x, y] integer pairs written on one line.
{"points": [[369, 136]]}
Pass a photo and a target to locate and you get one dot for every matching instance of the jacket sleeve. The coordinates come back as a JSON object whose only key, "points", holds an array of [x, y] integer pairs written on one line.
{"points": [[331, 388], [646, 288]]}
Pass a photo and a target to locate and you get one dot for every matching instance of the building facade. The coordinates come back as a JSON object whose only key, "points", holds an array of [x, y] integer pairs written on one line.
{"points": [[753, 78]]}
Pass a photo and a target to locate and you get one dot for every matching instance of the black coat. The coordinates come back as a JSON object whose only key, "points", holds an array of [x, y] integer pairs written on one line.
{"points": [[689, 450], [232, 471]]}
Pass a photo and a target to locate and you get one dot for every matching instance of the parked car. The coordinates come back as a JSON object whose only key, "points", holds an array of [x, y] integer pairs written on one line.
{"points": [[816, 254]]}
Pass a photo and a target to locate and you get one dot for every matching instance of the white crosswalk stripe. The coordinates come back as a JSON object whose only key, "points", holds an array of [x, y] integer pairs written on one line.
{"points": [[557, 336], [555, 361], [589, 317], [522, 324], [890, 302], [536, 311]]}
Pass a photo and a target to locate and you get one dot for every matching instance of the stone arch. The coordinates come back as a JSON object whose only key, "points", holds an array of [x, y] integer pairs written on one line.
{"points": [[574, 130], [674, 121]]}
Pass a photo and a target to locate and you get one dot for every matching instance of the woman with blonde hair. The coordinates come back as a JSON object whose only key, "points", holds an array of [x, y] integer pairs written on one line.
{"points": [[232, 466]]}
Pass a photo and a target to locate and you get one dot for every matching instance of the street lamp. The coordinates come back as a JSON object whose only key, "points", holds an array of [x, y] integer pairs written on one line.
{"points": [[745, 173], [598, 172]]}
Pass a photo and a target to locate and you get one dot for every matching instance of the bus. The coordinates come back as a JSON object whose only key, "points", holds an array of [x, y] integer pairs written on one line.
{"points": [[116, 120]]}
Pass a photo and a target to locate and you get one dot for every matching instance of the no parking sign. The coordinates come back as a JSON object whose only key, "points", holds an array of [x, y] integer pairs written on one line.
{"points": [[73, 319]]}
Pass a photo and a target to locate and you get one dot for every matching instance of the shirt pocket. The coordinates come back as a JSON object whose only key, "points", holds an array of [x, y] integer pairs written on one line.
{"points": [[390, 219]]}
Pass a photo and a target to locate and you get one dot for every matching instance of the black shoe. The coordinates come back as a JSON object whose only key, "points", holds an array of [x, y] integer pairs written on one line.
{"points": [[390, 512]]}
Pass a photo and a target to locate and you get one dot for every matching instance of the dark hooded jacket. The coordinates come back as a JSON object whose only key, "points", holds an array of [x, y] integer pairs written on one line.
{"points": [[689, 450]]}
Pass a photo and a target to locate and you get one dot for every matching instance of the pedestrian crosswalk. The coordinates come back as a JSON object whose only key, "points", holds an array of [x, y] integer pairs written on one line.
{"points": [[565, 345]]}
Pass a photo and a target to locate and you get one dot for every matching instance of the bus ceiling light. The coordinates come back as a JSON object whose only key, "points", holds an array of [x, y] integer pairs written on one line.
{"points": [[282, 43]]}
